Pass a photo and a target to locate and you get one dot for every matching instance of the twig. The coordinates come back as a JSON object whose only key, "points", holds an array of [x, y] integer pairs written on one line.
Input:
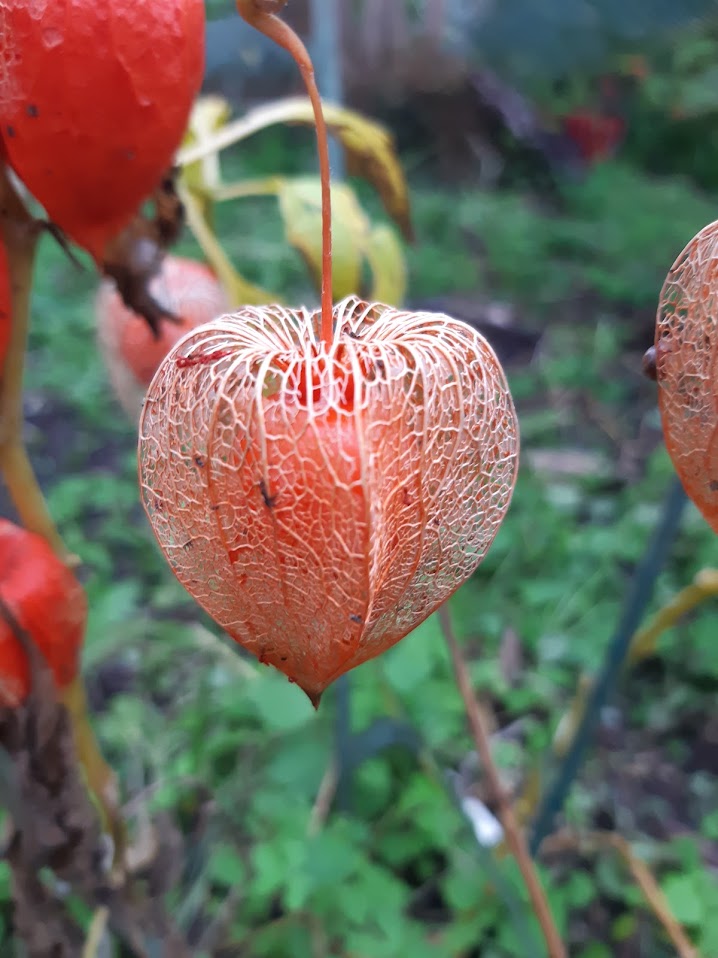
{"points": [[593, 841], [98, 927], [325, 796], [655, 897], [20, 233], [514, 837]]}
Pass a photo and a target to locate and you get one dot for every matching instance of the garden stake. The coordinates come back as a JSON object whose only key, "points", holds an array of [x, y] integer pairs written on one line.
{"points": [[638, 597], [512, 830]]}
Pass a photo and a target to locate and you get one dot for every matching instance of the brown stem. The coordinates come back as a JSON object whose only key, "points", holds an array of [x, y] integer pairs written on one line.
{"points": [[514, 836], [261, 14]]}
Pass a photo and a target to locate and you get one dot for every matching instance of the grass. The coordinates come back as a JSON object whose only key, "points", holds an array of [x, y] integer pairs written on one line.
{"points": [[237, 756]]}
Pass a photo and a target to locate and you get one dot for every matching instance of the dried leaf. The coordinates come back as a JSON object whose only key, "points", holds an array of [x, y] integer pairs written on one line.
{"points": [[133, 258], [300, 205]]}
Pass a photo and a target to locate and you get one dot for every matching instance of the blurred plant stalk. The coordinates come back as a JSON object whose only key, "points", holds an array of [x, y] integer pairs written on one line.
{"points": [[20, 232]]}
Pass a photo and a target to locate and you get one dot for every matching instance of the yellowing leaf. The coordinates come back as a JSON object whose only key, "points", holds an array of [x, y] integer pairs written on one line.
{"points": [[209, 114], [371, 154], [300, 205], [386, 260], [370, 147], [240, 292]]}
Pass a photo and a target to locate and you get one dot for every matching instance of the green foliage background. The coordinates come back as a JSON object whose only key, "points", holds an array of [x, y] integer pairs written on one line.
{"points": [[238, 757], [397, 871]]}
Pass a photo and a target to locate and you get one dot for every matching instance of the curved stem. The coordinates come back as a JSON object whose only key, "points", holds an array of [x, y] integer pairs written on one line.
{"points": [[261, 14]]}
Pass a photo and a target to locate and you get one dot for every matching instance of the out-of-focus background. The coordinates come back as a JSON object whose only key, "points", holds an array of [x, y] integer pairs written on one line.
{"points": [[560, 154]]}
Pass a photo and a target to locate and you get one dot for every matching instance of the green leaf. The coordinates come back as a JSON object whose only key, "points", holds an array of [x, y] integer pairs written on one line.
{"points": [[275, 864], [278, 704], [684, 898], [225, 867], [411, 661]]}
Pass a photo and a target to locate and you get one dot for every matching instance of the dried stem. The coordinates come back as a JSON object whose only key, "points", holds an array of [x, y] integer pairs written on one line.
{"points": [[655, 898], [261, 14], [514, 837], [591, 842]]}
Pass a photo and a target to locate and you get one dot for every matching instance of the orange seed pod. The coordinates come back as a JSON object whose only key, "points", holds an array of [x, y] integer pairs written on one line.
{"points": [[686, 362], [321, 500]]}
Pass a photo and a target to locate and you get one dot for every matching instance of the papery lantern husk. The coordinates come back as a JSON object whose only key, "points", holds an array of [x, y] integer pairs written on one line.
{"points": [[687, 369], [319, 502]]}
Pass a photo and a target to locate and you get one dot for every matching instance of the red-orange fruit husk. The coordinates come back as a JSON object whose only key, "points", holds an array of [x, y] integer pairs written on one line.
{"points": [[187, 289], [687, 369], [47, 601], [95, 96], [5, 315], [321, 503]]}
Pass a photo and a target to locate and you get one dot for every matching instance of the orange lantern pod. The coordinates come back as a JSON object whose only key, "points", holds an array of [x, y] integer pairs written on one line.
{"points": [[686, 366], [186, 288], [5, 315], [321, 498], [47, 601], [95, 96]]}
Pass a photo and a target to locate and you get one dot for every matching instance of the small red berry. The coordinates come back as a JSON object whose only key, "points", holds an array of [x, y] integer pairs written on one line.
{"points": [[47, 601]]}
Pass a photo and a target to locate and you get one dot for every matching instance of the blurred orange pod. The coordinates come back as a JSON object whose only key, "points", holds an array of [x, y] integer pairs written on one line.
{"points": [[686, 368], [186, 288]]}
